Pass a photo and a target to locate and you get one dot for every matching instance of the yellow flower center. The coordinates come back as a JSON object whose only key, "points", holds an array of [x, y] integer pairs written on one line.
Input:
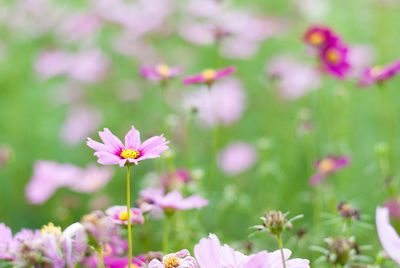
{"points": [[326, 165], [209, 74], [316, 38], [376, 71], [163, 70], [333, 55], [171, 262], [130, 153], [51, 229], [123, 216]]}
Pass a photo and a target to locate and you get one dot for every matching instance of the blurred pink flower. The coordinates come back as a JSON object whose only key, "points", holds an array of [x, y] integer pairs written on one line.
{"points": [[180, 259], [388, 236], [374, 75], [236, 158], [172, 201], [210, 254], [114, 152], [319, 36], [360, 57], [393, 205], [335, 59], [81, 122], [85, 66], [160, 72], [175, 179], [77, 26], [294, 78], [119, 214], [223, 104], [48, 176], [209, 76], [327, 166], [5, 242]]}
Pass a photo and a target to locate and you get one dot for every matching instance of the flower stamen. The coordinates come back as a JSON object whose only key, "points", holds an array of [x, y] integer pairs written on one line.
{"points": [[123, 216], [51, 229], [171, 261], [333, 56], [163, 70], [326, 166], [209, 75], [130, 153], [316, 39]]}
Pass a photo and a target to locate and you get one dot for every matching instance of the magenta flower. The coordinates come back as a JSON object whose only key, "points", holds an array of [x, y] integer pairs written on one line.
{"points": [[388, 236], [172, 201], [119, 214], [373, 75], [181, 259], [160, 72], [319, 36], [335, 59], [236, 158], [210, 254], [114, 152], [209, 76], [328, 166]]}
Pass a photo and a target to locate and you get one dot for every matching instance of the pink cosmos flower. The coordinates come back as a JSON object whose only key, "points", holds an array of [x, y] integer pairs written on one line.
{"points": [[119, 214], [175, 179], [393, 205], [80, 122], [328, 166], [335, 59], [319, 36], [209, 76], [48, 176], [114, 152], [373, 75], [159, 72], [224, 104], [112, 261], [388, 236], [172, 201], [180, 259], [236, 158], [210, 254], [294, 79]]}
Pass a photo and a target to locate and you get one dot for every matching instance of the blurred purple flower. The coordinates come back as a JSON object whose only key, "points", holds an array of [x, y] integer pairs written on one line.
{"points": [[388, 235], [319, 37], [77, 26], [172, 201], [335, 59], [81, 122], [175, 179], [114, 152], [48, 176], [236, 158], [223, 104], [119, 214], [210, 254], [209, 76], [327, 166], [180, 259], [374, 75], [294, 78], [159, 72]]}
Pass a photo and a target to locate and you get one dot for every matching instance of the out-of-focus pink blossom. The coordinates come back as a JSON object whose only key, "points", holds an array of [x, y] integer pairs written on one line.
{"points": [[48, 176], [373, 75], [81, 122], [293, 78], [159, 72], [119, 214], [236, 158], [134, 151], [388, 236], [175, 179], [335, 59], [327, 166], [393, 206], [209, 76], [210, 254], [180, 259], [360, 58], [77, 26], [223, 104], [172, 201]]}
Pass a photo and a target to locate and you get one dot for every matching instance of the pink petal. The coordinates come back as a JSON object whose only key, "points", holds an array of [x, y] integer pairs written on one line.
{"points": [[132, 139], [111, 140], [155, 145], [105, 158]]}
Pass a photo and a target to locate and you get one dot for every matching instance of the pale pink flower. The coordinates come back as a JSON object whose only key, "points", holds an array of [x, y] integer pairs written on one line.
{"points": [[327, 166], [180, 259], [119, 214], [48, 176], [172, 201], [114, 152], [159, 72], [388, 236], [77, 26], [236, 158], [52, 63], [224, 104], [81, 121], [211, 254], [294, 79]]}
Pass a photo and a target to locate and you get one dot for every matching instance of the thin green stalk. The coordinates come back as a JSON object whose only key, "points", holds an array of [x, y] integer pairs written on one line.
{"points": [[189, 140], [279, 238], [100, 252], [166, 234], [128, 205]]}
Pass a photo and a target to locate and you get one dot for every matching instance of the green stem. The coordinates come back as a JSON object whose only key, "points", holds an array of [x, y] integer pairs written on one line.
{"points": [[128, 205], [278, 237], [100, 252], [166, 234]]}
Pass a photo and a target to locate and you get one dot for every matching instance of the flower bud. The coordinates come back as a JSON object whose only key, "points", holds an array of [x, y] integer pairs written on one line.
{"points": [[276, 222]]}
